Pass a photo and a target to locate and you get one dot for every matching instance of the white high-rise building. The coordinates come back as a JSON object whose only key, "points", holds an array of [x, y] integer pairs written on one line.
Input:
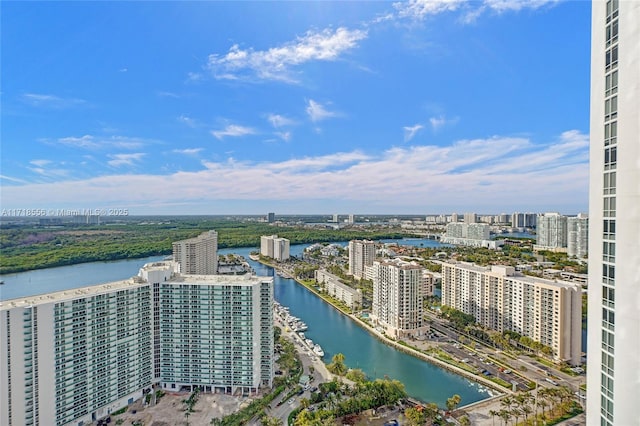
{"points": [[613, 373], [551, 231], [398, 291], [274, 247], [524, 220], [499, 298], [75, 356], [361, 253], [578, 236], [197, 255], [281, 249]]}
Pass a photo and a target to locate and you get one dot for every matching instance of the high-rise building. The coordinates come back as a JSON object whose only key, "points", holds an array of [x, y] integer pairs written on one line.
{"points": [[75, 356], [351, 219], [613, 325], [578, 236], [546, 311], [274, 247], [524, 220], [336, 218], [361, 253], [271, 217], [197, 255], [398, 292], [551, 231], [470, 218], [281, 249], [454, 217]]}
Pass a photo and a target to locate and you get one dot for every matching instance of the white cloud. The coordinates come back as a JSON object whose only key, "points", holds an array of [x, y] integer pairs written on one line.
{"points": [[419, 9], [51, 101], [91, 142], [410, 131], [285, 136], [279, 121], [187, 120], [465, 173], [119, 160], [40, 163], [188, 151], [516, 5], [317, 112], [276, 63], [233, 130]]}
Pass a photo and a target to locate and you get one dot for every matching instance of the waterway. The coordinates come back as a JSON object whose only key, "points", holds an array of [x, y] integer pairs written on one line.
{"points": [[335, 332]]}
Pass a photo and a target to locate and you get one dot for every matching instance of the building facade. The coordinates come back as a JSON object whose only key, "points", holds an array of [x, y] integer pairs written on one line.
{"points": [[75, 356], [361, 253], [197, 255], [613, 383], [499, 298], [398, 292]]}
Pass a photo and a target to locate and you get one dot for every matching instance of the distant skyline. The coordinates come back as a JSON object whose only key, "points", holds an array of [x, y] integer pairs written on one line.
{"points": [[418, 107]]}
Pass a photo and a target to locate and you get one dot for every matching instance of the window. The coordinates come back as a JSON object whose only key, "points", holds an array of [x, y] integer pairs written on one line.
{"points": [[611, 83], [611, 58], [611, 108], [609, 208], [610, 158], [608, 251], [609, 185], [611, 133], [608, 297], [611, 33]]}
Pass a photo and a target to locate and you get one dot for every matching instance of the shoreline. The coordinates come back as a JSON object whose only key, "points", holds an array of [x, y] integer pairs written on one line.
{"points": [[406, 349]]}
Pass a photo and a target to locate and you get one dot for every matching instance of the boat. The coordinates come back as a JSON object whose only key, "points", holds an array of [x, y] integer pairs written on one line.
{"points": [[318, 350], [309, 343]]}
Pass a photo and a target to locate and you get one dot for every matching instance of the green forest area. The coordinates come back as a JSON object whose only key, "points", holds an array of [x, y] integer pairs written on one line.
{"points": [[24, 248]]}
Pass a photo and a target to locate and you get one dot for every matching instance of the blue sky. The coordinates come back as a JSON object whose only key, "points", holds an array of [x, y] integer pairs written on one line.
{"points": [[296, 107]]}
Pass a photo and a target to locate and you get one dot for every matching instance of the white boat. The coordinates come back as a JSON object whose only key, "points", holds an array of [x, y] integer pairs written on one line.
{"points": [[318, 350], [302, 336], [309, 343]]}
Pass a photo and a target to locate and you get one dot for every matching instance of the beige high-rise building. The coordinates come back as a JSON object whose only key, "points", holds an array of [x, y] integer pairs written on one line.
{"points": [[499, 298], [197, 255], [361, 253], [398, 292], [613, 352]]}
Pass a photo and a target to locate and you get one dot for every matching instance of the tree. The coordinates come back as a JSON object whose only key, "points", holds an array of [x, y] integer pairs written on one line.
{"points": [[270, 421], [337, 365], [464, 421], [453, 402], [415, 416], [356, 375]]}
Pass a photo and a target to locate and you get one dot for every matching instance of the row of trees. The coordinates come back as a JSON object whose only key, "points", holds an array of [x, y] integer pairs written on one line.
{"points": [[34, 247], [550, 404]]}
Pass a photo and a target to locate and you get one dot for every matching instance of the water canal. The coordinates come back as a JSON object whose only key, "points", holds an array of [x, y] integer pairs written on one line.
{"points": [[328, 327]]}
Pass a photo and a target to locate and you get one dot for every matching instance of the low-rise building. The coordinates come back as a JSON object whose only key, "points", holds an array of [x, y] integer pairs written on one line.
{"points": [[351, 297]]}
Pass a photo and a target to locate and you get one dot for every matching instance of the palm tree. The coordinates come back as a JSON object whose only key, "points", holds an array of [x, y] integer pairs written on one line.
{"points": [[493, 413], [505, 415]]}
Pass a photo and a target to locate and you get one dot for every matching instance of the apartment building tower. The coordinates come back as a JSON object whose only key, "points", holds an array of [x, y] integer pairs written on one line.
{"points": [[398, 291], [499, 298], [551, 231], [73, 357], [197, 255], [274, 247], [361, 253], [613, 383], [578, 236]]}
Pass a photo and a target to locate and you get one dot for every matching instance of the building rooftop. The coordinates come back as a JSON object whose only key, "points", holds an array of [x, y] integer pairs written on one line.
{"points": [[133, 282]]}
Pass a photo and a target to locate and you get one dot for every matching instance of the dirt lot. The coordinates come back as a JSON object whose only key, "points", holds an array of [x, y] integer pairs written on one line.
{"points": [[170, 410]]}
